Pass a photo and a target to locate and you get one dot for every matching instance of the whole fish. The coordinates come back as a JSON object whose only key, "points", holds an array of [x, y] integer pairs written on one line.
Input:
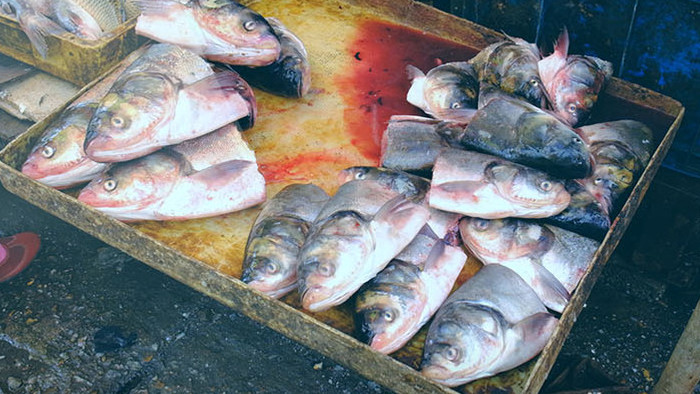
{"points": [[219, 30], [448, 91], [32, 16], [58, 160], [621, 149], [522, 133], [488, 187], [358, 231], [411, 144], [511, 65], [585, 215], [272, 251], [549, 259], [167, 96], [492, 323], [573, 82], [166, 185], [394, 305], [290, 74]]}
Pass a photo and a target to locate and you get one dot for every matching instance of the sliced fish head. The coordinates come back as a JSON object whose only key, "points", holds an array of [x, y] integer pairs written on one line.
{"points": [[331, 258], [128, 117]]}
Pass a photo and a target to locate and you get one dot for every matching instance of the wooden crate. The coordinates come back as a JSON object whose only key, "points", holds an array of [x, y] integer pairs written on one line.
{"points": [[358, 50]]}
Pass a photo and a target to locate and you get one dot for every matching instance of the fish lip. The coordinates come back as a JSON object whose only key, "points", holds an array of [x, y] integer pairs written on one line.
{"points": [[436, 372]]}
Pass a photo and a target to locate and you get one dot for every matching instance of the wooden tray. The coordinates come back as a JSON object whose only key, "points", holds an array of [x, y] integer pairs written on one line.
{"points": [[69, 57], [358, 51]]}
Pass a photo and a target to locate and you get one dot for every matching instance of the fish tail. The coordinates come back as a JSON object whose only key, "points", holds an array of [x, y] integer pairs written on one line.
{"points": [[37, 27]]}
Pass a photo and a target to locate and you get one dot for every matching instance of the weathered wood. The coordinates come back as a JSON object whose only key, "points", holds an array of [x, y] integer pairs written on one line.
{"points": [[682, 372]]}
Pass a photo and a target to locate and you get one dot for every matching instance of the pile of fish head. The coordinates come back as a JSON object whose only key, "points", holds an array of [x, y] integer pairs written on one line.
{"points": [[522, 133], [492, 323], [58, 160], [271, 254], [585, 215], [413, 187], [411, 144], [290, 74], [448, 91], [394, 305], [361, 228], [621, 150], [511, 65], [488, 187], [573, 82], [219, 30]]}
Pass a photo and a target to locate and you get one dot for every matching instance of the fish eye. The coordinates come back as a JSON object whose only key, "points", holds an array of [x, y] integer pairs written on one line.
{"points": [[598, 181], [546, 185], [117, 121], [249, 25], [452, 353], [48, 151], [624, 179], [456, 105], [388, 316], [571, 108], [110, 184], [271, 267], [534, 82], [481, 224], [361, 174], [577, 140], [326, 269]]}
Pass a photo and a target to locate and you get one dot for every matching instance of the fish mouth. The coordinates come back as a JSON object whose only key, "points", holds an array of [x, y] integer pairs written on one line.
{"points": [[319, 298], [66, 175], [274, 290], [437, 373], [256, 56]]}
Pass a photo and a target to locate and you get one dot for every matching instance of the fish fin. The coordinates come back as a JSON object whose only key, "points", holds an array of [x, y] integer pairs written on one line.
{"points": [[415, 94], [561, 46], [222, 173], [461, 190], [525, 339], [414, 72], [37, 27], [549, 289], [398, 220], [224, 96], [77, 20]]}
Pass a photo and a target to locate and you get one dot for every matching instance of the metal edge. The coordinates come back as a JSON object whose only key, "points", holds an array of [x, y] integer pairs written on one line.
{"points": [[550, 352]]}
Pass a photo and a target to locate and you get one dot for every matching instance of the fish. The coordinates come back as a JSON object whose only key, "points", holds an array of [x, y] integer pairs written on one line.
{"points": [[621, 150], [358, 231], [271, 259], [479, 185], [522, 133], [573, 82], [448, 91], [290, 74], [32, 16], [87, 19], [549, 259], [219, 30], [585, 215], [411, 144], [166, 185], [58, 159], [511, 65], [494, 322], [159, 101], [394, 305]]}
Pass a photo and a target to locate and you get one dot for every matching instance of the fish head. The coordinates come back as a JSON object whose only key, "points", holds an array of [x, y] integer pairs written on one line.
{"points": [[128, 117], [270, 264], [253, 40], [528, 187], [556, 142], [132, 186], [389, 308], [608, 182], [331, 257], [460, 349], [59, 155], [504, 239], [574, 90], [449, 87], [523, 80]]}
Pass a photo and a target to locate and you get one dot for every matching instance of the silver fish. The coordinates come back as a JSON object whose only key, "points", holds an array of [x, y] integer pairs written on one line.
{"points": [[448, 91], [492, 323], [272, 251], [410, 143]]}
